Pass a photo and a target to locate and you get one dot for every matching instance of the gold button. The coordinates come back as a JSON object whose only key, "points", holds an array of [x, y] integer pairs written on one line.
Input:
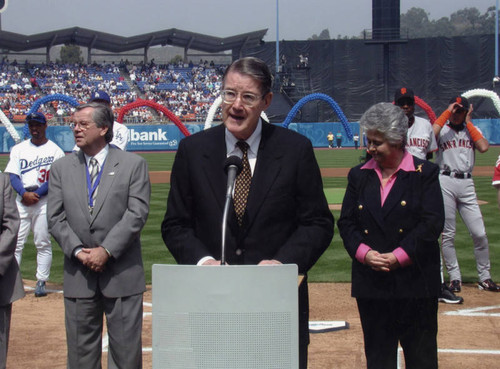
{"points": [[403, 203], [360, 207], [366, 231], [400, 230]]}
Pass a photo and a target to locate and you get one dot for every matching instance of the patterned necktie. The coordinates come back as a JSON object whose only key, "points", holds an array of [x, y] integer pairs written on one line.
{"points": [[242, 186], [94, 170]]}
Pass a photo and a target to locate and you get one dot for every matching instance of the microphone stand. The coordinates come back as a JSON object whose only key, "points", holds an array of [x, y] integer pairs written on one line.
{"points": [[224, 229], [232, 166]]}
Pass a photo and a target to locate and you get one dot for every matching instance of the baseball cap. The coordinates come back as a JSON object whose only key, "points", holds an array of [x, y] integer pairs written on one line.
{"points": [[100, 95], [461, 100], [36, 117], [404, 92]]}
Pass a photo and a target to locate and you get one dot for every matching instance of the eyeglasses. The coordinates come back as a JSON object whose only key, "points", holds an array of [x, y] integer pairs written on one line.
{"points": [[247, 98], [83, 126]]}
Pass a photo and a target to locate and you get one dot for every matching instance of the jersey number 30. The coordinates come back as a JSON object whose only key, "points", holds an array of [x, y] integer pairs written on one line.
{"points": [[44, 175]]}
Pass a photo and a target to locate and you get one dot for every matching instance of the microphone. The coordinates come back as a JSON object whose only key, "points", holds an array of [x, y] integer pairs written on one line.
{"points": [[232, 167]]}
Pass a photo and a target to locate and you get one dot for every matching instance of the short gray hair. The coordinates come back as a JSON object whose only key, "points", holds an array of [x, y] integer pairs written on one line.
{"points": [[254, 68], [387, 119], [103, 117]]}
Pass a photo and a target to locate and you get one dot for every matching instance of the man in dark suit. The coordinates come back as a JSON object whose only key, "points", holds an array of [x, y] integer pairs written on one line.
{"points": [[11, 285], [286, 217], [98, 203]]}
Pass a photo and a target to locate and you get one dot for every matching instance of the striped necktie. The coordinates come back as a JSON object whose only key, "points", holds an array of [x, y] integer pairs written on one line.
{"points": [[242, 186], [94, 170]]}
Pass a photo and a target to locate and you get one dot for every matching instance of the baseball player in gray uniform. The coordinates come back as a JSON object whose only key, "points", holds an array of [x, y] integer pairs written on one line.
{"points": [[29, 167], [458, 139], [421, 142]]}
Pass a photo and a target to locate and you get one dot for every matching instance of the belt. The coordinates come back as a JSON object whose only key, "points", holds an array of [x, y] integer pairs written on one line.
{"points": [[456, 175]]}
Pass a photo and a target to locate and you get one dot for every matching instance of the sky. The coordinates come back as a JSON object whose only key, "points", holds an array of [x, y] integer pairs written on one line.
{"points": [[298, 19]]}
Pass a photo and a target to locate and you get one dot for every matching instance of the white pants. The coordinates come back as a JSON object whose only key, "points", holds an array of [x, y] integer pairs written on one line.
{"points": [[34, 217]]}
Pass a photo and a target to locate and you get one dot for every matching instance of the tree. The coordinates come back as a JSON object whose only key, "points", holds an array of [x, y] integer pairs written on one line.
{"points": [[466, 21], [324, 35], [176, 59], [71, 54], [469, 21], [416, 22]]}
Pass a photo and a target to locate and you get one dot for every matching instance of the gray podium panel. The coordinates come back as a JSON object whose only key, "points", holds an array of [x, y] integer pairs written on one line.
{"points": [[219, 317]]}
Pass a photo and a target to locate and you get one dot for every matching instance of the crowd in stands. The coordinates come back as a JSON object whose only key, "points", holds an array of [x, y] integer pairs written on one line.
{"points": [[187, 90], [17, 92]]}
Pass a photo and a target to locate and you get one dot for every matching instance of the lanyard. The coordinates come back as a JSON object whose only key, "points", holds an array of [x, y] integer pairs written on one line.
{"points": [[91, 188]]}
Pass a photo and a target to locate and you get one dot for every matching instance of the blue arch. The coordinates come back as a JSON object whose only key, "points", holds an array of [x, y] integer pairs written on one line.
{"points": [[56, 97], [329, 100]]}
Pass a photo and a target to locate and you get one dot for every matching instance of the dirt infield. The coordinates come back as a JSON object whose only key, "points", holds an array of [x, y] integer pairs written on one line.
{"points": [[164, 177], [467, 339]]}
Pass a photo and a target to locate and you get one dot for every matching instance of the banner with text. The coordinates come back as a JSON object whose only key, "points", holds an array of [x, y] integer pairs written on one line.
{"points": [[166, 137]]}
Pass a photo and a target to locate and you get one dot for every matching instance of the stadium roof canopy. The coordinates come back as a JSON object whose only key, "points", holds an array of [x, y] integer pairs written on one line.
{"points": [[119, 44]]}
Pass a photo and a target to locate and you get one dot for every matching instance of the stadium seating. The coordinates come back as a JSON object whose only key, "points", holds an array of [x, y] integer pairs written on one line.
{"points": [[187, 91]]}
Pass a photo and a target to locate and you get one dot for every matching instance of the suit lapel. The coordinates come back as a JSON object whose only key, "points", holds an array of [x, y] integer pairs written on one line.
{"points": [[397, 192], [109, 173], [267, 169], [372, 196], [79, 179], [213, 157]]}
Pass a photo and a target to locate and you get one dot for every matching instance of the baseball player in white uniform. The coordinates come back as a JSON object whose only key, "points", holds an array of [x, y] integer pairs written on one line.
{"points": [[421, 142], [120, 131], [458, 139], [29, 167]]}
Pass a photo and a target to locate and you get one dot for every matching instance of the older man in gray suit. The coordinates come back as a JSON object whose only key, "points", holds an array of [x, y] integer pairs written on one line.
{"points": [[98, 203], [11, 285]]}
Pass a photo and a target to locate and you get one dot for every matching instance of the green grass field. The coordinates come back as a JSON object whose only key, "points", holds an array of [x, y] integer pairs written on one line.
{"points": [[334, 265]]}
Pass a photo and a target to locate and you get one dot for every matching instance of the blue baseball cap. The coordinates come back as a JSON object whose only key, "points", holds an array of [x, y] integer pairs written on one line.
{"points": [[36, 117], [100, 96]]}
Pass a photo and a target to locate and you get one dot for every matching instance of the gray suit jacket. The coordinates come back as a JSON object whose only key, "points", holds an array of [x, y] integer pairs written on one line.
{"points": [[120, 212], [11, 285]]}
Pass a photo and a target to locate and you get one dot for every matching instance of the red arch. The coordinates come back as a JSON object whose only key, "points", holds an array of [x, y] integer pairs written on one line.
{"points": [[140, 102], [428, 110]]}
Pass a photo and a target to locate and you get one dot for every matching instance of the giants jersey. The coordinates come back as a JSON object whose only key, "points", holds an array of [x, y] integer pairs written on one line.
{"points": [[421, 138], [456, 151], [32, 163], [496, 174]]}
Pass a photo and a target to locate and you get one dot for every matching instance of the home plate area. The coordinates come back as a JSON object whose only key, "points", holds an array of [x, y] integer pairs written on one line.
{"points": [[468, 334]]}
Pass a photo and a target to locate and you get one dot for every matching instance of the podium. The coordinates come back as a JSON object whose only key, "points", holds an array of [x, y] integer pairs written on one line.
{"points": [[218, 317]]}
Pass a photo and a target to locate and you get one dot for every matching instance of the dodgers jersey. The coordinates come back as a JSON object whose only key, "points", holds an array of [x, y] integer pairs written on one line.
{"points": [[32, 163], [456, 150], [120, 136], [421, 139]]}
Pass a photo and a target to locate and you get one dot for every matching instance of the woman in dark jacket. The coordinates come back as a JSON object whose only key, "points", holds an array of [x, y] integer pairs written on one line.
{"points": [[392, 217]]}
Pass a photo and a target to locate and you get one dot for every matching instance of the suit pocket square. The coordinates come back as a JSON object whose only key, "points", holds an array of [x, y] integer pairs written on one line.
{"points": [[111, 173]]}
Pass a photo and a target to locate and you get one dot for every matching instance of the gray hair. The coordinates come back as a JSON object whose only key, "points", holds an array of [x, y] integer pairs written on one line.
{"points": [[387, 119], [103, 117], [254, 68]]}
